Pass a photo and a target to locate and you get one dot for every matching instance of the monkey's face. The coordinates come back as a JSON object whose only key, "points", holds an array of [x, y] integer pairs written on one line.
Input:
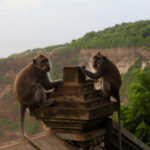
{"points": [[98, 61], [42, 63], [45, 66]]}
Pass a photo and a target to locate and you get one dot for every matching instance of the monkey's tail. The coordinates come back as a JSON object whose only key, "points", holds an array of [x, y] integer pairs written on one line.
{"points": [[119, 123], [22, 116], [31, 143]]}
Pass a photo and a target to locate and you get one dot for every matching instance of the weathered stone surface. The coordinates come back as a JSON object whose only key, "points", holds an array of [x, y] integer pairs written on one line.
{"points": [[82, 137], [45, 140], [78, 107], [71, 74], [77, 113], [75, 89]]}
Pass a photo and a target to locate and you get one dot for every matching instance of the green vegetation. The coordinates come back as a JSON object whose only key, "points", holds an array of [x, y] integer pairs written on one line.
{"points": [[14, 126], [32, 126], [129, 77], [15, 105], [64, 57], [56, 71], [74, 60], [33, 52], [125, 35], [135, 114], [4, 121], [9, 95], [3, 60], [6, 80]]}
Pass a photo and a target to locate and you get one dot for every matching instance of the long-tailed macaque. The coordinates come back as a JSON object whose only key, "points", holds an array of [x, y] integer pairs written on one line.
{"points": [[111, 80], [29, 88]]}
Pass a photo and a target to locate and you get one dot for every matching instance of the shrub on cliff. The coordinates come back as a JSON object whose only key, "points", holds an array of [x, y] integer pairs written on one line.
{"points": [[135, 115]]}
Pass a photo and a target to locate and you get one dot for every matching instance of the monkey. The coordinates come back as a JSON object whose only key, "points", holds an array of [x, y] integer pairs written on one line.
{"points": [[30, 88], [111, 81]]}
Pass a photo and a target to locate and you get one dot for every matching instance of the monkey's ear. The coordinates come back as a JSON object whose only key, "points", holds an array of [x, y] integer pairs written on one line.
{"points": [[34, 61]]}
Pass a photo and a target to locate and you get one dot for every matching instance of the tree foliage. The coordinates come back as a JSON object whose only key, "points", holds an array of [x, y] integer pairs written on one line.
{"points": [[135, 115], [135, 34]]}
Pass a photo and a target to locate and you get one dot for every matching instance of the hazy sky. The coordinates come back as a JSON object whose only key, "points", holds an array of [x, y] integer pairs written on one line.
{"points": [[28, 24]]}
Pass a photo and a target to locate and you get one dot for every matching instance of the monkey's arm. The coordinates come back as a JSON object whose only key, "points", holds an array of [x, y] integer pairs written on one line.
{"points": [[56, 83], [90, 74], [50, 85]]}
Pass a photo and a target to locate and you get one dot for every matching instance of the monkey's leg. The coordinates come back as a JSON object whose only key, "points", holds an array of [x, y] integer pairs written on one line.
{"points": [[106, 87], [99, 93], [39, 97]]}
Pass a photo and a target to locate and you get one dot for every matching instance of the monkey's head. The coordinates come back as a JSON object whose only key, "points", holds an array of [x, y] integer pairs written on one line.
{"points": [[41, 62], [98, 60]]}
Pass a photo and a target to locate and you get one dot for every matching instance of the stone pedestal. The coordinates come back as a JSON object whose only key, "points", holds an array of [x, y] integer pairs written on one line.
{"points": [[79, 112]]}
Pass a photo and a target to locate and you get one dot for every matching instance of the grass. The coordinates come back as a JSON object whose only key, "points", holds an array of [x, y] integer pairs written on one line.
{"points": [[32, 126], [6, 80], [9, 95], [14, 126], [15, 105], [4, 122]]}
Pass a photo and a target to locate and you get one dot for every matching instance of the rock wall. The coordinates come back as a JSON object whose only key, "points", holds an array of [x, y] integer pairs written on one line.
{"points": [[122, 57]]}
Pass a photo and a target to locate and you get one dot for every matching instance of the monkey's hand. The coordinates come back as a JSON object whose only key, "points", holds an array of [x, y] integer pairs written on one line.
{"points": [[92, 75], [50, 102], [81, 69], [78, 67], [59, 82], [84, 67]]}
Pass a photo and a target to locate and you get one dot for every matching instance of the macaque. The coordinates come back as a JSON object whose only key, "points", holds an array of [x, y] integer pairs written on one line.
{"points": [[29, 88], [111, 80]]}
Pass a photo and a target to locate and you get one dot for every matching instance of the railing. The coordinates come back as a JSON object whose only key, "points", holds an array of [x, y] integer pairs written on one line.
{"points": [[129, 141]]}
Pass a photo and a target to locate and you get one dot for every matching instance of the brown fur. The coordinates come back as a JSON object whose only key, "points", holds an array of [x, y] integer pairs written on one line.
{"points": [[111, 80], [29, 88], [109, 74]]}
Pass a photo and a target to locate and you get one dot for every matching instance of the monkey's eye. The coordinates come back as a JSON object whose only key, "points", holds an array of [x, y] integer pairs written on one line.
{"points": [[44, 60]]}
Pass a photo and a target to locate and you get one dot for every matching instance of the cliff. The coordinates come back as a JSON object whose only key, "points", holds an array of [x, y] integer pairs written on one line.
{"points": [[124, 58]]}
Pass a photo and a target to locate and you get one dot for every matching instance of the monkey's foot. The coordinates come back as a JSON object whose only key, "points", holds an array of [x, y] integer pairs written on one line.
{"points": [[50, 102], [99, 93]]}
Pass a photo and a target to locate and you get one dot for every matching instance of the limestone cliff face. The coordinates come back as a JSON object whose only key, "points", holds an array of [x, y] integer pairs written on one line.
{"points": [[122, 57]]}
